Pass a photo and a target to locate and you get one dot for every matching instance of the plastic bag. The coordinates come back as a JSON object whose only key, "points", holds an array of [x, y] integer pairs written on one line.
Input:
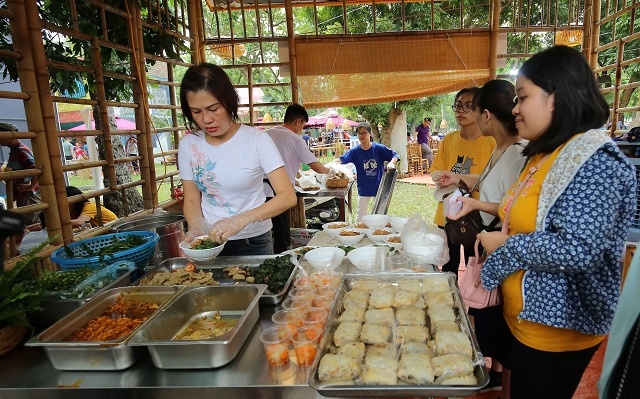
{"points": [[422, 240], [308, 181], [100, 279]]}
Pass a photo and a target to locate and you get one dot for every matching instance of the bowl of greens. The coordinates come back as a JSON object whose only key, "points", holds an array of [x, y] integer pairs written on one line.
{"points": [[201, 249]]}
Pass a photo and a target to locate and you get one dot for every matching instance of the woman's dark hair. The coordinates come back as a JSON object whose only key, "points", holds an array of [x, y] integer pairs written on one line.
{"points": [[496, 96], [578, 103], [76, 209], [213, 79], [366, 126]]}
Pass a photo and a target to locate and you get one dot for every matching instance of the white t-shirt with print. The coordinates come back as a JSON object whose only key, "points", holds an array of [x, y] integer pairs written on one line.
{"points": [[293, 150], [229, 175], [501, 177]]}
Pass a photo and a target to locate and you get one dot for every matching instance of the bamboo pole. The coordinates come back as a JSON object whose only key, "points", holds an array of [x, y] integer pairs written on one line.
{"points": [[34, 80], [493, 41], [140, 96], [295, 90]]}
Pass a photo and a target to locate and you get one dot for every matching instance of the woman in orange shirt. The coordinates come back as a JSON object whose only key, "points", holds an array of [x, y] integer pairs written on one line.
{"points": [[558, 266]]}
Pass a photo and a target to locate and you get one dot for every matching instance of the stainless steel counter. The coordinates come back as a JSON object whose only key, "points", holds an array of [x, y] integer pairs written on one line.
{"points": [[27, 373]]}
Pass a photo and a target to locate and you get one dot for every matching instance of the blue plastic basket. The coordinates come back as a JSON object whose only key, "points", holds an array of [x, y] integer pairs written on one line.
{"points": [[140, 255]]}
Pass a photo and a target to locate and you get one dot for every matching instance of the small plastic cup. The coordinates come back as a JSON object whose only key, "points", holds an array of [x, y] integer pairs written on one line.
{"points": [[296, 304], [421, 264], [303, 281], [287, 318], [302, 292], [314, 317], [325, 278], [398, 261], [305, 343], [327, 290], [276, 345], [322, 302]]}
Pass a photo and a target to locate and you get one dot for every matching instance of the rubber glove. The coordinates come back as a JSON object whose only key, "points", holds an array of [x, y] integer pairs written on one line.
{"points": [[197, 227], [391, 166], [228, 227]]}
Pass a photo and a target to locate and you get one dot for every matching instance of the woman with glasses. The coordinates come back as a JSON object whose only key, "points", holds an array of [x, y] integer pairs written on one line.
{"points": [[495, 119], [558, 266], [464, 152]]}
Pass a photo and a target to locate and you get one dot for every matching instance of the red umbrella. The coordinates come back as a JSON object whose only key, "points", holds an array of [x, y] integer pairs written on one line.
{"points": [[122, 124]]}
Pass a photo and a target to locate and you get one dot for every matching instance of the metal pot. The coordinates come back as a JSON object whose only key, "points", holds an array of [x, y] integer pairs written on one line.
{"points": [[170, 227]]}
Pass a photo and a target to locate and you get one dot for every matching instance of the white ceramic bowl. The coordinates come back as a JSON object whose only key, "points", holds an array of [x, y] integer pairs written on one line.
{"points": [[376, 221], [379, 238], [351, 239], [359, 254], [321, 258], [334, 231], [200, 254], [397, 222], [396, 245]]}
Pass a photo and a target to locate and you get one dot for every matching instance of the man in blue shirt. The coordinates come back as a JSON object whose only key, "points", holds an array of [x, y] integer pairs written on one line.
{"points": [[369, 159], [424, 138]]}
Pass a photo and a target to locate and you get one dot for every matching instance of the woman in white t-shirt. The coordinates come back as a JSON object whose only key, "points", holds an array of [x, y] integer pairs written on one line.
{"points": [[222, 164], [495, 103]]}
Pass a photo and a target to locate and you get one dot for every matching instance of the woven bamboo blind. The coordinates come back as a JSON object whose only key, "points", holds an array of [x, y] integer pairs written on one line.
{"points": [[339, 72]]}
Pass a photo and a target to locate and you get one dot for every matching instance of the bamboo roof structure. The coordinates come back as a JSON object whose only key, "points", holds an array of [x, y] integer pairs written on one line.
{"points": [[128, 58]]}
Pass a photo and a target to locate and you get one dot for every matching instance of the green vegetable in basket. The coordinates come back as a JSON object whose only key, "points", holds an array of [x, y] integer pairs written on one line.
{"points": [[64, 280], [117, 245], [274, 272]]}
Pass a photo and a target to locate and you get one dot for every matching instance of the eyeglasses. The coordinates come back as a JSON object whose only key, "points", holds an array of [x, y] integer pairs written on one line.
{"points": [[463, 108]]}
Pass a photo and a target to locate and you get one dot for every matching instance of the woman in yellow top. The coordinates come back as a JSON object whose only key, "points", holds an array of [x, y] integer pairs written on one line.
{"points": [[87, 211], [465, 151], [558, 266]]}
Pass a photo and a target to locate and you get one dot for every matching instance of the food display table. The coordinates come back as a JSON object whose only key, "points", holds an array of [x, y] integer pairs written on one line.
{"points": [[344, 197], [27, 373]]}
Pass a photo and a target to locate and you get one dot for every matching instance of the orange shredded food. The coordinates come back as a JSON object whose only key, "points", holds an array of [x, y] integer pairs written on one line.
{"points": [[116, 322]]}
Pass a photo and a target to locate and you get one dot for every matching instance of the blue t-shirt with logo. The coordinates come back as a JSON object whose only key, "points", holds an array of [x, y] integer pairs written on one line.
{"points": [[369, 166]]}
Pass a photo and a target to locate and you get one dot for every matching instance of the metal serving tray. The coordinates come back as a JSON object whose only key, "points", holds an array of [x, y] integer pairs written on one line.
{"points": [[216, 265], [56, 309], [190, 305], [402, 389], [102, 355]]}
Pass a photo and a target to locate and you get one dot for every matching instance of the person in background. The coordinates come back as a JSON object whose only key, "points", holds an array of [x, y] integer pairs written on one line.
{"points": [[294, 153], [558, 266], [368, 159], [622, 359], [68, 150], [222, 164], [78, 152], [305, 136], [131, 146], [86, 211], [423, 137], [25, 191], [495, 119], [464, 152]]}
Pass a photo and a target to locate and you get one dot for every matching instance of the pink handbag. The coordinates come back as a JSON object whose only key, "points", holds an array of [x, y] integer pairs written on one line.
{"points": [[471, 289]]}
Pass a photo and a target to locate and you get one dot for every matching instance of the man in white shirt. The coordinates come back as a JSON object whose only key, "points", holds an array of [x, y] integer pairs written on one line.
{"points": [[294, 151]]}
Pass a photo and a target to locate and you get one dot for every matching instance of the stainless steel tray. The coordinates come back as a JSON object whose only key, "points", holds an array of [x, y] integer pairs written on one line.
{"points": [[55, 309], [194, 303], [402, 389], [216, 265], [104, 355]]}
